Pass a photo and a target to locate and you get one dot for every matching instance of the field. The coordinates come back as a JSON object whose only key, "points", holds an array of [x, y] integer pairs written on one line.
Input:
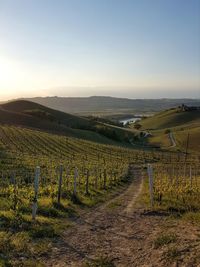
{"points": [[48, 181]]}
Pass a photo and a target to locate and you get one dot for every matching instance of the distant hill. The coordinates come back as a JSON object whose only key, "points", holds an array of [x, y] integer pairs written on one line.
{"points": [[28, 114], [42, 112], [110, 104], [171, 118], [176, 122]]}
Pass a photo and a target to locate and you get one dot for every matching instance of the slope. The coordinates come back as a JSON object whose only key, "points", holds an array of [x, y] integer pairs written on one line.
{"points": [[177, 123], [29, 114], [171, 118]]}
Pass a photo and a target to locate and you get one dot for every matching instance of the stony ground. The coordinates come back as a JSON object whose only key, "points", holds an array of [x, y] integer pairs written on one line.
{"points": [[121, 233]]}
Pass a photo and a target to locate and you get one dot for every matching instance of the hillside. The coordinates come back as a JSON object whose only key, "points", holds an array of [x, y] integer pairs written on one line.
{"points": [[33, 115], [170, 128], [39, 111], [109, 105], [171, 118]]}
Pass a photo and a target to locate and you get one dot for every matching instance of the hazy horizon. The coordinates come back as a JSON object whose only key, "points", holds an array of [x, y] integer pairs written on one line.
{"points": [[95, 94], [133, 49], [141, 93]]}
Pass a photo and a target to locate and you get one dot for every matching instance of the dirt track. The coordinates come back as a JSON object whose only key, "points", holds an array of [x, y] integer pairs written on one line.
{"points": [[118, 232]]}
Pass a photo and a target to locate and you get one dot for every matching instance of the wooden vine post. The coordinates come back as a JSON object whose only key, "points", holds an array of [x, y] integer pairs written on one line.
{"points": [[36, 187], [60, 183], [150, 174]]}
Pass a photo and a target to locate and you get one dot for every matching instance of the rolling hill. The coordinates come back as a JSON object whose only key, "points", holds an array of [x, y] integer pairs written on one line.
{"points": [[176, 122], [109, 105], [171, 118], [28, 114]]}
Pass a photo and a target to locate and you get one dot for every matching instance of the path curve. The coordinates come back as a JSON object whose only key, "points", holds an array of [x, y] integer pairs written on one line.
{"points": [[172, 140]]}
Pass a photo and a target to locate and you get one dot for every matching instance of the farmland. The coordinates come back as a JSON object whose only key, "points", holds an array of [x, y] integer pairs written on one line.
{"points": [[74, 176]]}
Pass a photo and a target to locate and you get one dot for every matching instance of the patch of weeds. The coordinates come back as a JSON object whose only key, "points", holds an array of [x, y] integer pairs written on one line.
{"points": [[193, 217], [5, 245], [101, 262], [43, 232], [49, 212], [4, 262], [114, 204], [20, 241], [40, 247], [4, 203], [164, 239], [15, 222], [68, 211], [172, 253], [25, 209]]}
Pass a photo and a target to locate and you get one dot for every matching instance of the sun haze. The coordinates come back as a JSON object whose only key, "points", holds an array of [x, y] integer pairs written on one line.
{"points": [[99, 47]]}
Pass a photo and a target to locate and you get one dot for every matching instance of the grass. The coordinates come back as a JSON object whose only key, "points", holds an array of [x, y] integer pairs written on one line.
{"points": [[22, 236], [164, 239], [193, 217], [114, 204], [181, 136], [170, 118], [159, 139], [172, 253]]}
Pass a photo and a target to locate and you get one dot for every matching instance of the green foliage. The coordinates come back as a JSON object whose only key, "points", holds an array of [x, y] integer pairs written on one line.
{"points": [[164, 239], [43, 232]]}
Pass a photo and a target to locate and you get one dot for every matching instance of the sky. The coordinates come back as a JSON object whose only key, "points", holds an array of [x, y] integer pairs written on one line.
{"points": [[125, 48]]}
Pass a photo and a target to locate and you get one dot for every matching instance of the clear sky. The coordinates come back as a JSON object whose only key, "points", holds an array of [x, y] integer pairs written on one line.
{"points": [[130, 48]]}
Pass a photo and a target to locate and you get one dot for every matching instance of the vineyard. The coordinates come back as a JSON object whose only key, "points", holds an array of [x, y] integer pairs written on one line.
{"points": [[67, 164], [175, 187], [45, 178]]}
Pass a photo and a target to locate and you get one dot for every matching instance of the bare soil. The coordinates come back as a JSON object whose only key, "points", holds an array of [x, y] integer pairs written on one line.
{"points": [[120, 233]]}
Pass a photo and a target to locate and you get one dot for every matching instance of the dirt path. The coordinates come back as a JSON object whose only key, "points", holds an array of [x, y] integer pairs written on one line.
{"points": [[116, 233], [172, 140]]}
